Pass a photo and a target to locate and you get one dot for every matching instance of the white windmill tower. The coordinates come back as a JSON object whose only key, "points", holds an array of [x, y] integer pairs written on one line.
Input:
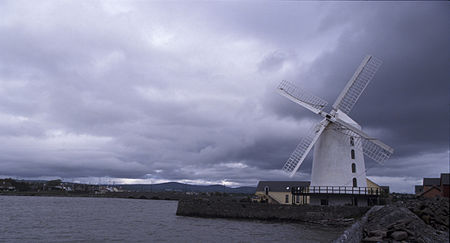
{"points": [[339, 143]]}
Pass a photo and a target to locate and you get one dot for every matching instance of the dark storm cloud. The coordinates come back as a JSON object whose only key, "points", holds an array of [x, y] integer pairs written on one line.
{"points": [[410, 91], [186, 91], [405, 105]]}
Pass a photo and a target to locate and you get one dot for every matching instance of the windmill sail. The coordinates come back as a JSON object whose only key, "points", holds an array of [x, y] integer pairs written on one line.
{"points": [[298, 156], [374, 151], [372, 148], [354, 88], [297, 95]]}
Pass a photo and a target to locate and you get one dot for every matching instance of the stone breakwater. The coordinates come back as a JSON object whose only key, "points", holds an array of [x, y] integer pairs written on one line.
{"points": [[394, 223], [354, 233], [330, 215], [415, 220], [434, 212]]}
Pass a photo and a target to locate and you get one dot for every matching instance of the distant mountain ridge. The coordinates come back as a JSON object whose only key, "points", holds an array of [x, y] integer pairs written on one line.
{"points": [[181, 187]]}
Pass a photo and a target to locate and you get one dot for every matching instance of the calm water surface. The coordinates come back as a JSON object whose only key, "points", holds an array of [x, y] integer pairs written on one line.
{"points": [[63, 219]]}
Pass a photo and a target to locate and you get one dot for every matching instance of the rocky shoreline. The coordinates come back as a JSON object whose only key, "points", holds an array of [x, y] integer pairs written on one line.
{"points": [[393, 223], [130, 195], [411, 220], [434, 212], [407, 220]]}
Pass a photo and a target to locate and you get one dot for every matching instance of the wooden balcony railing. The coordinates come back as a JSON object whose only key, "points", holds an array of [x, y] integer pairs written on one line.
{"points": [[337, 190]]}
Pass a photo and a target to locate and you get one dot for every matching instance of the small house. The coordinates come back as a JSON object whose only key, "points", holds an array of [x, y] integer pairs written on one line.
{"points": [[434, 187], [431, 182], [445, 184], [301, 192], [282, 192]]}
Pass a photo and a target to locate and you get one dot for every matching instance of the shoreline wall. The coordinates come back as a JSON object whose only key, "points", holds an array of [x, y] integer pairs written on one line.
{"points": [[131, 195], [240, 210]]}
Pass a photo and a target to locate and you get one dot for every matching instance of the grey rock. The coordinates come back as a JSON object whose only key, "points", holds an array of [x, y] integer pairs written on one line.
{"points": [[408, 231], [372, 239], [426, 218], [399, 235], [378, 233], [420, 240]]}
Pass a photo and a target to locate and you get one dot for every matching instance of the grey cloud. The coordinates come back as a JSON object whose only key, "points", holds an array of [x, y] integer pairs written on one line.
{"points": [[274, 61], [181, 91]]}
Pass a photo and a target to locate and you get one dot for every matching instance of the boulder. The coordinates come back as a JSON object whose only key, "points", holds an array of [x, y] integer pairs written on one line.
{"points": [[399, 235]]}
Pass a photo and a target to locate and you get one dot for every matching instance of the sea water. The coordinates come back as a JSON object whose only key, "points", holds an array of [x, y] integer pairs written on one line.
{"points": [[78, 219]]}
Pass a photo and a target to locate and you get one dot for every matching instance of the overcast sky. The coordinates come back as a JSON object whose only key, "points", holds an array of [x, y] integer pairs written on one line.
{"points": [[148, 92]]}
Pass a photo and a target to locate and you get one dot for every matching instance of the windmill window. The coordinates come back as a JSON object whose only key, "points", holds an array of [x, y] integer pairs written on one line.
{"points": [[353, 154], [266, 190], [352, 141], [353, 168], [355, 183], [286, 200]]}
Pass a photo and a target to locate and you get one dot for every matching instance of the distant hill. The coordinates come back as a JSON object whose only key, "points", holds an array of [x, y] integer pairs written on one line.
{"points": [[181, 187]]}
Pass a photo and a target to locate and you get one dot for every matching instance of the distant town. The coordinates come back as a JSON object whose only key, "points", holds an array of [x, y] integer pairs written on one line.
{"points": [[59, 186], [431, 187]]}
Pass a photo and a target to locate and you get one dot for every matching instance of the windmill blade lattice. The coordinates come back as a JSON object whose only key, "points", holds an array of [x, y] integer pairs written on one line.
{"points": [[357, 84], [371, 147], [374, 151], [299, 96], [298, 156]]}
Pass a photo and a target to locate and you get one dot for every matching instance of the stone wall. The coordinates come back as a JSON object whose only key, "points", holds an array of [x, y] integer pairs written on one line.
{"points": [[354, 234], [303, 213], [339, 199]]}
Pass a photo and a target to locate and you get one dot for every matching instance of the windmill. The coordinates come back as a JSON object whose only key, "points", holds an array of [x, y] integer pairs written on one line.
{"points": [[339, 143]]}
